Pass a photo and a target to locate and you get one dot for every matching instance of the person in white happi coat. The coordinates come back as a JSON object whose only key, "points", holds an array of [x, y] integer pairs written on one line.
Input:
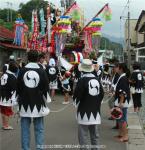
{"points": [[33, 96], [122, 100], [52, 73], [8, 95], [136, 83], [87, 98]]}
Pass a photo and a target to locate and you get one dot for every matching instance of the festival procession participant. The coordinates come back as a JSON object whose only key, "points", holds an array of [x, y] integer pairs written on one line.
{"points": [[106, 78], [115, 78], [8, 96], [87, 98], [32, 98], [42, 61], [136, 83], [65, 86], [6, 65], [52, 73], [12, 58], [97, 70], [122, 99]]}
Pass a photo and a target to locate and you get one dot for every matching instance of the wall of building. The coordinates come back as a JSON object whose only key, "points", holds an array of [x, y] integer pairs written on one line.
{"points": [[133, 36], [140, 37]]}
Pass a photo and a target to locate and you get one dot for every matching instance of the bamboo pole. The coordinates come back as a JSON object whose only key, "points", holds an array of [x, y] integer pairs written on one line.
{"points": [[94, 17], [64, 14]]}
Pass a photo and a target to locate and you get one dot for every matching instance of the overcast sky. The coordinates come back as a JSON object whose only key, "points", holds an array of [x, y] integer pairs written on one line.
{"points": [[91, 7]]}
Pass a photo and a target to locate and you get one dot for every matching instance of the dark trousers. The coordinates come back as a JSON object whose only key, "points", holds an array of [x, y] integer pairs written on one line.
{"points": [[83, 136], [137, 100]]}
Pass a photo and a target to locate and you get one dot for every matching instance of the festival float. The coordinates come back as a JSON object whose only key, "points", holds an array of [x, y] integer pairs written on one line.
{"points": [[64, 35]]}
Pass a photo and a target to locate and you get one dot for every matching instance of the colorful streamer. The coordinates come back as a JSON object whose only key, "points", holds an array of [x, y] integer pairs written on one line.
{"points": [[92, 35], [19, 31], [107, 13], [42, 21]]}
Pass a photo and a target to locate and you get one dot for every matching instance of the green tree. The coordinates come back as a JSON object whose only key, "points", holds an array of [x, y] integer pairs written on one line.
{"points": [[26, 9], [8, 25], [4, 13]]}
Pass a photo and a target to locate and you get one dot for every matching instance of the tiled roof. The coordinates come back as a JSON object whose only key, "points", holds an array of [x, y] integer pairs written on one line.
{"points": [[5, 33], [5, 45], [140, 17]]}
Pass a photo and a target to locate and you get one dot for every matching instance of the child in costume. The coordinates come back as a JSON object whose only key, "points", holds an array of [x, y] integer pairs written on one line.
{"points": [[66, 86], [8, 96], [52, 73], [106, 78]]}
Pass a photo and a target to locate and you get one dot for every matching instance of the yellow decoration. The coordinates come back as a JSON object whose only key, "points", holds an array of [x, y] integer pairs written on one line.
{"points": [[96, 24], [96, 34]]}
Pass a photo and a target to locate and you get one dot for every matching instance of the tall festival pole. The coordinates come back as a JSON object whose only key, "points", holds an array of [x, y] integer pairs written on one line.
{"points": [[49, 23]]}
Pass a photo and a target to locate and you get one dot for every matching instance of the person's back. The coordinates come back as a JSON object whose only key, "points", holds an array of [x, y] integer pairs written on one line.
{"points": [[136, 84], [88, 96], [32, 88], [33, 95], [8, 95]]}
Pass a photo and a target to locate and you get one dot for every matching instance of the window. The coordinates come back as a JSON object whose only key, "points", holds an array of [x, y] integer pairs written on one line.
{"points": [[141, 52]]}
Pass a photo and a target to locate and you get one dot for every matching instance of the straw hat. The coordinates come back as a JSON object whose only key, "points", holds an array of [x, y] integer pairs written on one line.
{"points": [[52, 62], [86, 66]]}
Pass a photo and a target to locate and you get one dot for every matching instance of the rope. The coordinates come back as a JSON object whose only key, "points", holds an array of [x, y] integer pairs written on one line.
{"points": [[61, 109]]}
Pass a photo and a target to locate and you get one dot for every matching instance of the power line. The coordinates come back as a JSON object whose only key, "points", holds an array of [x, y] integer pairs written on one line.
{"points": [[126, 6]]}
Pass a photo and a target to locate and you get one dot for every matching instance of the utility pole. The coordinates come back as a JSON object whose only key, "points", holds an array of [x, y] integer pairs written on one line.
{"points": [[11, 13], [128, 47], [8, 15]]}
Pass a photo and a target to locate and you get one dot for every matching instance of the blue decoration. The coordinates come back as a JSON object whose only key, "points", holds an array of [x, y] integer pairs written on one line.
{"points": [[96, 19], [19, 31], [64, 17]]}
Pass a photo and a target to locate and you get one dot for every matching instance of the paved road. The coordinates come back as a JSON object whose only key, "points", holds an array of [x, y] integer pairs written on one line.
{"points": [[142, 112], [61, 128]]}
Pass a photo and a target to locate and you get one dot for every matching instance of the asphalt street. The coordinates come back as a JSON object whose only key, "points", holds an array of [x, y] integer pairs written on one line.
{"points": [[61, 129]]}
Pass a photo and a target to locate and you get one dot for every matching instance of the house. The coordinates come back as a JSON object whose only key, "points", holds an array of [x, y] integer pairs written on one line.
{"points": [[7, 47], [140, 47], [133, 39], [140, 30]]}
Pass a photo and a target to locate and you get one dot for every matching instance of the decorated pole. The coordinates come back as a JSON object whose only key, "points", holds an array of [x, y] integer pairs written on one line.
{"points": [[42, 22], [106, 5], [49, 23], [55, 37], [92, 30], [33, 43], [65, 13]]}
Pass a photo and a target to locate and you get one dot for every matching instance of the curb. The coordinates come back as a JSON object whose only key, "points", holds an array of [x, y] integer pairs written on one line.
{"points": [[135, 132]]}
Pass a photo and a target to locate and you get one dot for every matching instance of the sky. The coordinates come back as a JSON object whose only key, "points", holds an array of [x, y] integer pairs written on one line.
{"points": [[115, 27]]}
